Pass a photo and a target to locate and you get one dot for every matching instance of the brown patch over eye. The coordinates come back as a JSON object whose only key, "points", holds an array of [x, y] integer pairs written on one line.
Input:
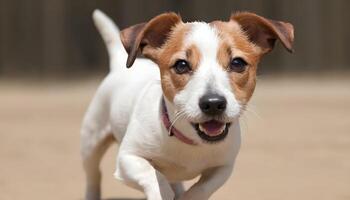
{"points": [[193, 56], [224, 55], [172, 81], [233, 45], [243, 84]]}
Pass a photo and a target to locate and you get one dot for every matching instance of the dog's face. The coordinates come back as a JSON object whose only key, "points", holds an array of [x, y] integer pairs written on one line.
{"points": [[208, 70]]}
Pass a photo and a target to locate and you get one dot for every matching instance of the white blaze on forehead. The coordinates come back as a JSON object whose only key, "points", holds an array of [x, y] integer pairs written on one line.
{"points": [[205, 38], [209, 71]]}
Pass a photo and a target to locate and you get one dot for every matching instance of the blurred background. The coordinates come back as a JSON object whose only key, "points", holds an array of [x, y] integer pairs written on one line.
{"points": [[296, 132], [51, 37]]}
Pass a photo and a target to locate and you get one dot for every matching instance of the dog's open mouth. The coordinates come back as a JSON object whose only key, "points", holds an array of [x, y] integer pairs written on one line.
{"points": [[212, 130]]}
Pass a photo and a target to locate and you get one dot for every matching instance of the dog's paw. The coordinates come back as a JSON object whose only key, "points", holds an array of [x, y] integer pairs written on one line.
{"points": [[162, 196], [165, 192], [192, 196]]}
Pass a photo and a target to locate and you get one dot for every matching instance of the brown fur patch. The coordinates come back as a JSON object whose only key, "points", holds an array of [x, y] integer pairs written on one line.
{"points": [[193, 56], [173, 49]]}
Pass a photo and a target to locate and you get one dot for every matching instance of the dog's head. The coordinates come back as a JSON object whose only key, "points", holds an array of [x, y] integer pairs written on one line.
{"points": [[208, 70]]}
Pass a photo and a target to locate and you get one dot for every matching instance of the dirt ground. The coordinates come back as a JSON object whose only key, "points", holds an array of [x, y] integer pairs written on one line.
{"points": [[296, 142]]}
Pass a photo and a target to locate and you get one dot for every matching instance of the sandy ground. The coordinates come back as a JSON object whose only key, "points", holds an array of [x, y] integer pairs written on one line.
{"points": [[296, 142]]}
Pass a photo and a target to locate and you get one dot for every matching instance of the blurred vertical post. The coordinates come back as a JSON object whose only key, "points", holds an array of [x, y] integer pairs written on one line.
{"points": [[2, 26], [54, 35]]}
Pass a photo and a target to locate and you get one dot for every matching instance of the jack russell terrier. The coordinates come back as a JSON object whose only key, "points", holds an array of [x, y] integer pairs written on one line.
{"points": [[176, 114]]}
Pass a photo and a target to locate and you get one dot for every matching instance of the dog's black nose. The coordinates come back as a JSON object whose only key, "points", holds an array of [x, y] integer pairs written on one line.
{"points": [[212, 104]]}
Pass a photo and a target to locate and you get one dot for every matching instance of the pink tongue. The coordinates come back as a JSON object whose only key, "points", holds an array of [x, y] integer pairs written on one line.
{"points": [[212, 127]]}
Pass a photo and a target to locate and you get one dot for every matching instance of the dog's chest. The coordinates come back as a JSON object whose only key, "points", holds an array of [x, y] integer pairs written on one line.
{"points": [[177, 171], [184, 165]]}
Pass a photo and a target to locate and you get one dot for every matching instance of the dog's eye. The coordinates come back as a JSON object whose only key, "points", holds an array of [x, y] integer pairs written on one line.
{"points": [[238, 65], [181, 67]]}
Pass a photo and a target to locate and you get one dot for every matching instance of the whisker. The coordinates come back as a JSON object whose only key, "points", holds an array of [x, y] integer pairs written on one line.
{"points": [[251, 110], [178, 115], [243, 120]]}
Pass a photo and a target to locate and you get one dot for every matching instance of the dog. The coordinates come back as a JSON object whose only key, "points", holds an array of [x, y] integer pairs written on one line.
{"points": [[175, 113]]}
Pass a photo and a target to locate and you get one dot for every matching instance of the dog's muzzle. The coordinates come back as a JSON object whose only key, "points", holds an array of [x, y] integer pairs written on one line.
{"points": [[213, 106]]}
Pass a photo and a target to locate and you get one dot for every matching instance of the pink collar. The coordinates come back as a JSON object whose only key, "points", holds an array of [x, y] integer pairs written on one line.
{"points": [[172, 130]]}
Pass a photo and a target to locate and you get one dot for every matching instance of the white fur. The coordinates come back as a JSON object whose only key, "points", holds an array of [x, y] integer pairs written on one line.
{"points": [[127, 106]]}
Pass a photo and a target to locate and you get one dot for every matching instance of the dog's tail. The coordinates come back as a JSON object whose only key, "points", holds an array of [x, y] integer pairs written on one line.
{"points": [[110, 34]]}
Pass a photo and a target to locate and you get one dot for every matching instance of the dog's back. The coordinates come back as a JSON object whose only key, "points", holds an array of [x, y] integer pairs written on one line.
{"points": [[122, 86], [113, 101]]}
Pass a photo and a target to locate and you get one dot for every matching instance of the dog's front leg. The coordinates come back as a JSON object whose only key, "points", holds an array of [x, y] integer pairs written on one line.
{"points": [[211, 180], [137, 172]]}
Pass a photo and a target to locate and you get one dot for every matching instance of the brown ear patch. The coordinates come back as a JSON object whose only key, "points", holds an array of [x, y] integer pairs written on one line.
{"points": [[147, 37], [128, 36], [264, 32]]}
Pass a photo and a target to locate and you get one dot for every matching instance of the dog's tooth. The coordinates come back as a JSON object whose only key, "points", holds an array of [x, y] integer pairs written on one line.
{"points": [[201, 128], [223, 128]]}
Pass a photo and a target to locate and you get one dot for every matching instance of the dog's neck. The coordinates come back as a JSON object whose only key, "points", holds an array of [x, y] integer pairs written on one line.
{"points": [[172, 112], [176, 125]]}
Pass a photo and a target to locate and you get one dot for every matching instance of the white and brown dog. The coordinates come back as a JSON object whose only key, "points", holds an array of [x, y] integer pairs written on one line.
{"points": [[176, 114]]}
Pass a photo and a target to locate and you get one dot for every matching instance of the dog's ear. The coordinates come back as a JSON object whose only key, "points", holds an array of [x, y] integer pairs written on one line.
{"points": [[147, 37], [264, 32]]}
